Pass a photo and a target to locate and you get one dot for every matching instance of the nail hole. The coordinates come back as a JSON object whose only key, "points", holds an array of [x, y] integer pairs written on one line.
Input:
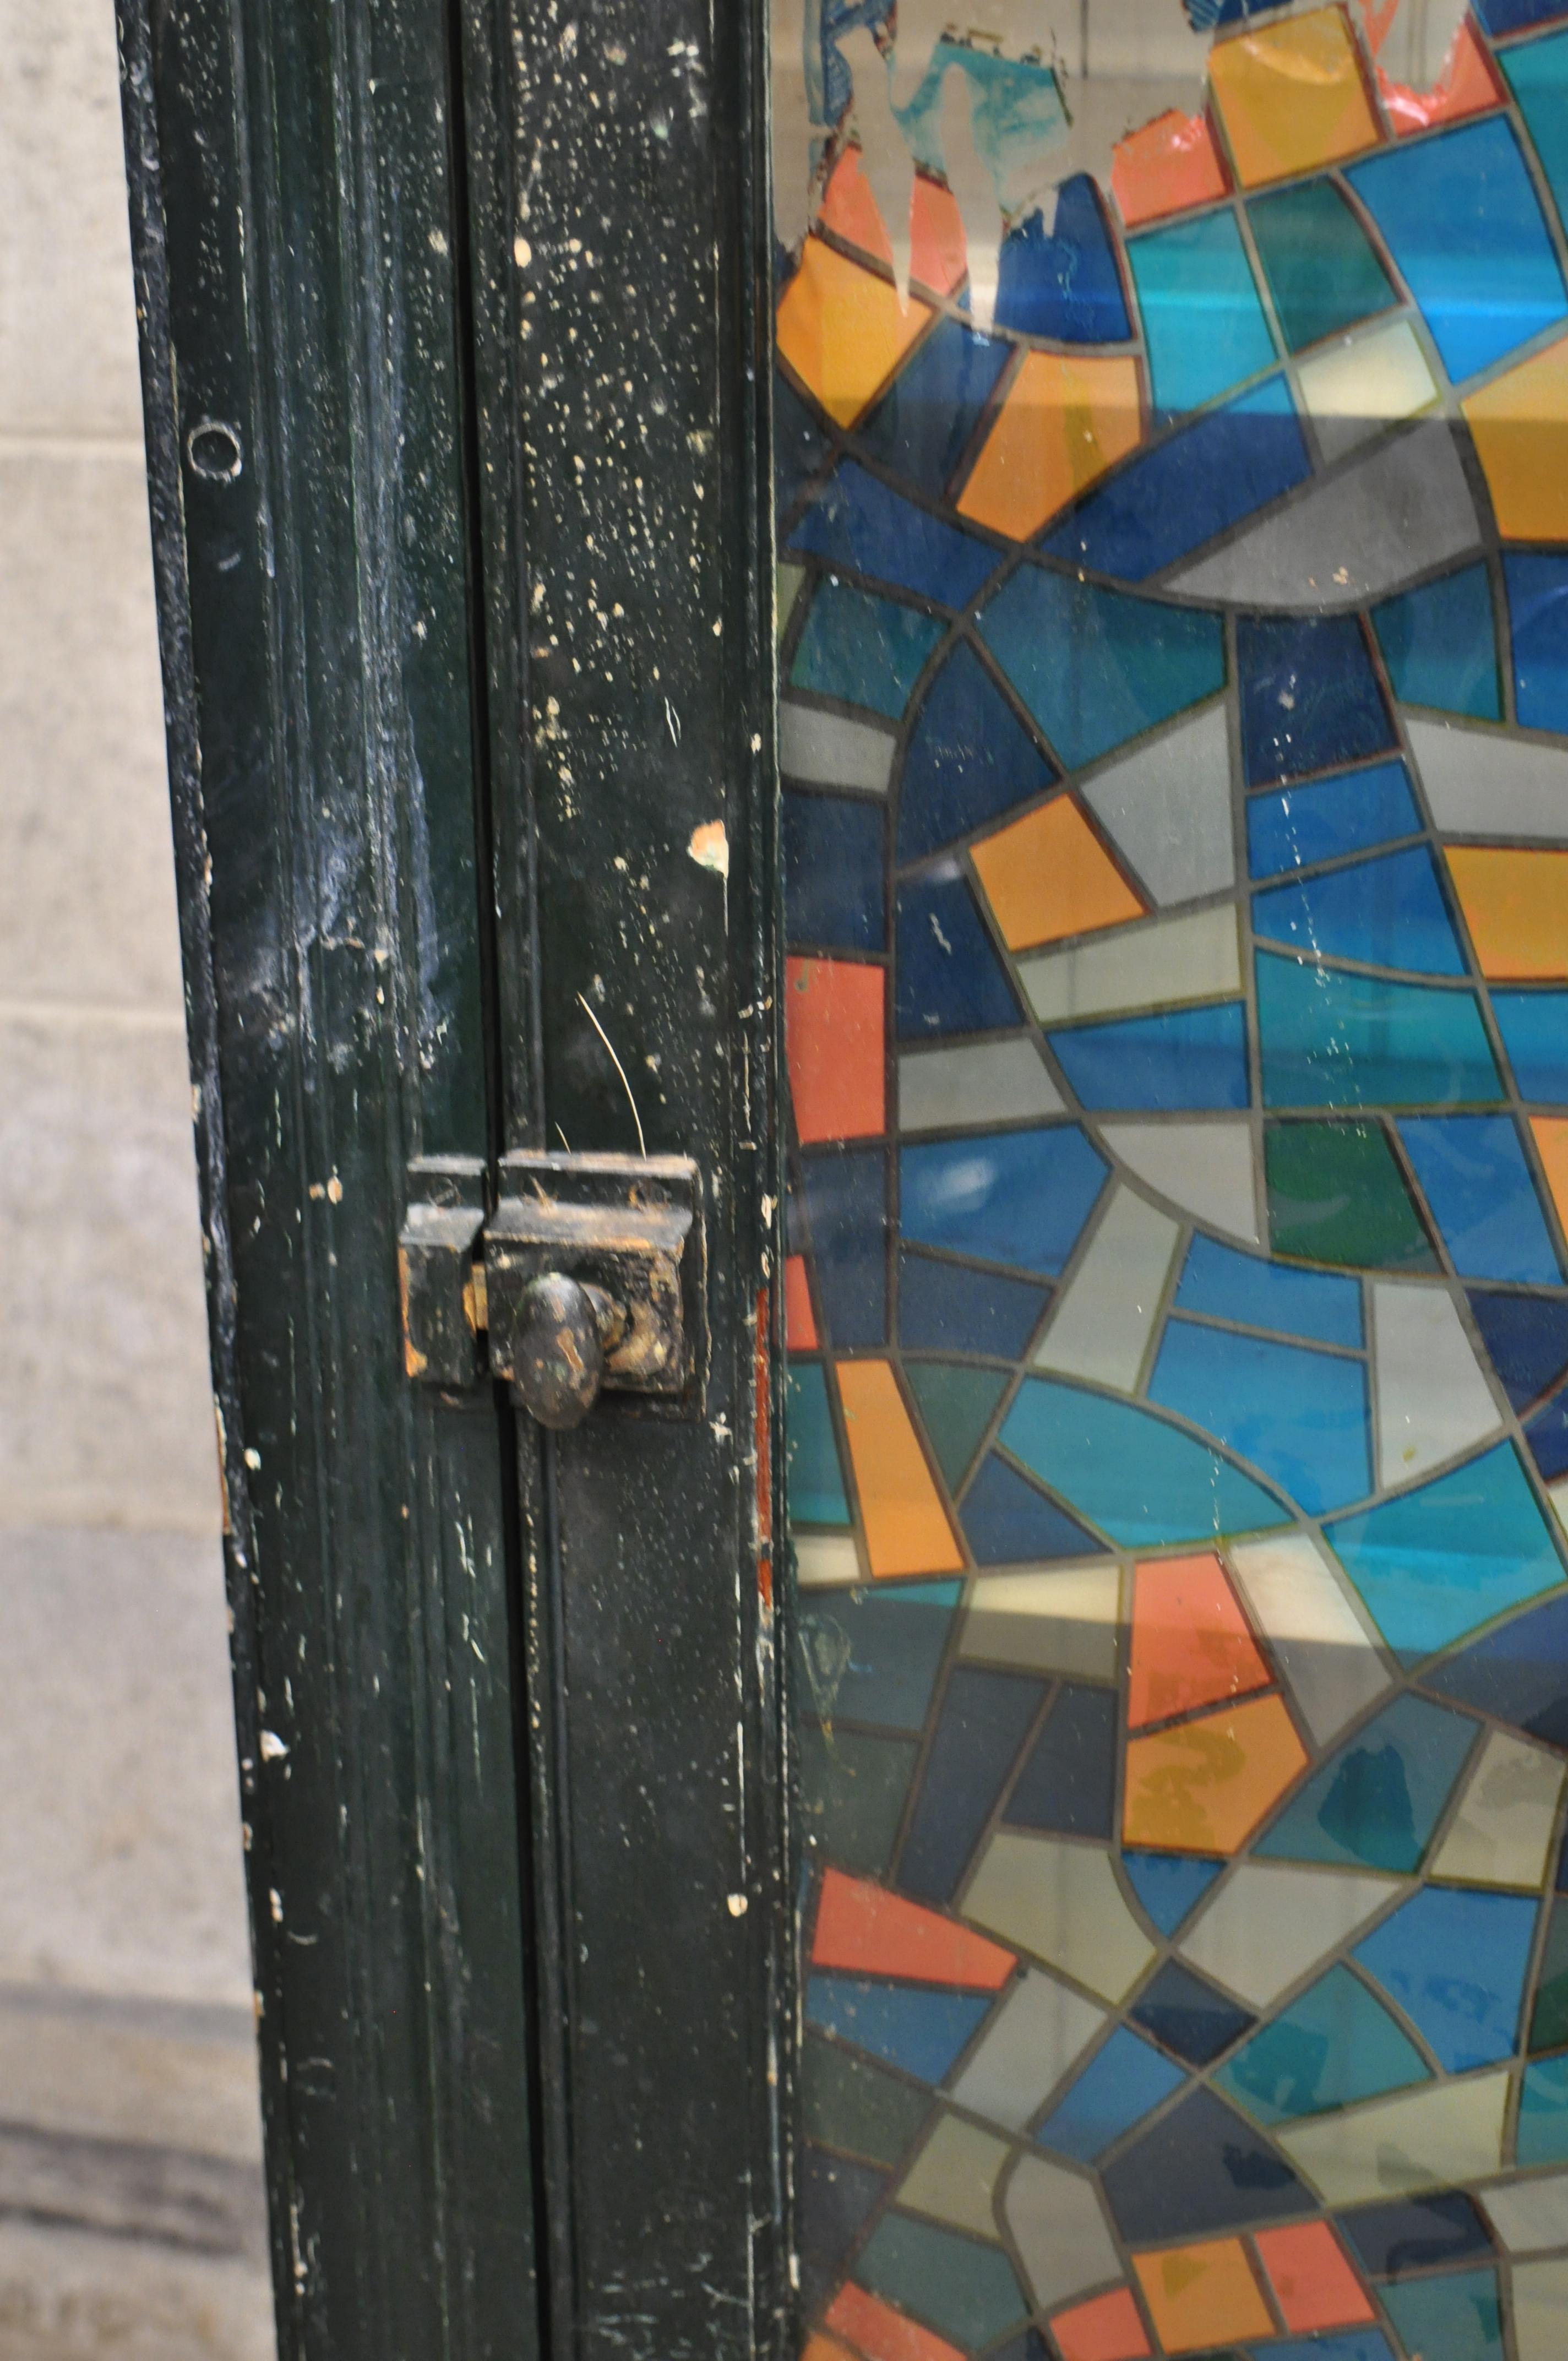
{"points": [[213, 451]]}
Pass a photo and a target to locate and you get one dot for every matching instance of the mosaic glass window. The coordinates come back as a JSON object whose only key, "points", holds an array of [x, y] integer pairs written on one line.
{"points": [[1172, 449]]}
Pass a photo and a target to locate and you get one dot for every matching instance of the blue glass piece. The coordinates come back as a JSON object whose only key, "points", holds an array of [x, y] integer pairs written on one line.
{"points": [[1064, 283], [1180, 1058], [1512, 16], [873, 1655], [1012, 1196], [1351, 2344], [1202, 321], [1067, 1787], [1189, 2015], [1416, 2234], [845, 1204], [1464, 227], [981, 1725], [857, 522], [1433, 1563], [1458, 2318], [1439, 646], [1537, 73], [867, 651], [835, 894], [1007, 1522], [1335, 2045], [1297, 826], [1534, 1027], [800, 446], [922, 425], [1168, 1887], [1137, 1478], [921, 2031], [1538, 612], [1097, 666], [1518, 1673], [1473, 1169], [1300, 1416], [947, 977], [1374, 1804], [1543, 2111], [1203, 13], [969, 759], [1309, 697], [1201, 2168], [945, 1307], [1456, 1962], [1527, 1339], [1335, 1040], [1230, 1285], [1196, 484], [1118, 2087], [1386, 913], [1546, 1436], [839, 16], [815, 1480]]}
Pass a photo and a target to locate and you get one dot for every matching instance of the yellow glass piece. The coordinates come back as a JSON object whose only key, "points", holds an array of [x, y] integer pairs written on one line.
{"points": [[907, 1526], [1048, 875], [1205, 1785], [1516, 906], [954, 2177], [1060, 1900], [1064, 422], [1433, 2138], [1292, 97], [843, 331], [1521, 426], [1203, 2295]]}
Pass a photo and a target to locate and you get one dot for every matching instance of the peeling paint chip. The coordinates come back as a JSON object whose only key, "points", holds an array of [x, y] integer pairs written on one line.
{"points": [[737, 1905], [709, 847], [272, 1747]]}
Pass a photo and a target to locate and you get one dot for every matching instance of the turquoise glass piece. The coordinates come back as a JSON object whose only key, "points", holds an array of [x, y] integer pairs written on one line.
{"points": [[1294, 826], [1096, 667], [815, 1481], [1228, 1285], [1543, 2111], [920, 2030], [1168, 1887], [867, 651], [1334, 2045], [1353, 2344], [1335, 1040], [1374, 1804], [1385, 912], [1435, 1563], [1537, 72], [1118, 2087], [1192, 1058], [1457, 2318], [1473, 1171], [1537, 583], [1013, 1196], [1456, 1962], [1203, 324], [1465, 230], [1137, 1478], [1534, 1027], [1438, 644], [873, 1655], [1298, 1415], [965, 2290]]}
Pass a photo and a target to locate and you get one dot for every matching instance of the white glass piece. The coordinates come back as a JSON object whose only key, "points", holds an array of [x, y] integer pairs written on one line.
{"points": [[984, 1081], [1268, 1925], [826, 1561], [954, 2177], [1040, 2031], [1482, 782], [1065, 1618], [1357, 388], [1502, 1829], [1151, 965], [1432, 1395], [1329, 1660], [828, 750], [1103, 1318], [1206, 1169], [1541, 2310], [1167, 808], [1529, 2216], [1061, 1902], [1063, 2241], [1431, 2138]]}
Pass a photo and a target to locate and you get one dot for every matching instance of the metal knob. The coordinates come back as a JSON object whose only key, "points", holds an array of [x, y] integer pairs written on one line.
{"points": [[564, 1330]]}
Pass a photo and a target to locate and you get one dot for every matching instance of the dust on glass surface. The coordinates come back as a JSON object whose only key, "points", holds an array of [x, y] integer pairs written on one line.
{"points": [[1172, 451]]}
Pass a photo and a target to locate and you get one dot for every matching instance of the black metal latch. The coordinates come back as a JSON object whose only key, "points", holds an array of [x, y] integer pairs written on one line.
{"points": [[587, 1274]]}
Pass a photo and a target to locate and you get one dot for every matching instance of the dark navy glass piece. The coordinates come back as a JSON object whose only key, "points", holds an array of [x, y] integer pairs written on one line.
{"points": [[835, 891], [1189, 2015], [1309, 697], [1067, 1785], [1519, 1673], [1439, 644], [1199, 2170], [945, 1307], [836, 2199], [1063, 284], [857, 522], [922, 426], [1416, 2234], [981, 1725], [969, 759], [873, 1655], [1007, 1522], [1527, 1338], [1546, 1436], [1512, 16], [949, 978], [1538, 610], [845, 1204], [1204, 15], [800, 446]]}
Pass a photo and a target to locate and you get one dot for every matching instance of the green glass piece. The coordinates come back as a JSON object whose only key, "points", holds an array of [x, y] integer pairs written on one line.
{"points": [[1321, 272], [815, 1481], [1334, 2045], [867, 651], [1455, 2318], [1335, 1194], [955, 1404], [853, 2104], [1543, 2112], [787, 582], [852, 1791], [1548, 2018], [965, 2290], [1438, 644]]}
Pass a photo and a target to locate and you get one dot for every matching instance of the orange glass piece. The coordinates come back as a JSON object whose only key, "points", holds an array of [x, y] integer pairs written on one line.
{"points": [[1191, 1645], [1313, 2282], [850, 211], [1106, 2328], [1516, 906], [800, 1320], [1164, 166], [843, 331], [1465, 86], [1061, 425], [1521, 426], [907, 1526], [1552, 1143], [1292, 97], [1205, 1785], [1203, 2295], [1048, 875], [835, 1026], [938, 256], [882, 2334], [867, 1931]]}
